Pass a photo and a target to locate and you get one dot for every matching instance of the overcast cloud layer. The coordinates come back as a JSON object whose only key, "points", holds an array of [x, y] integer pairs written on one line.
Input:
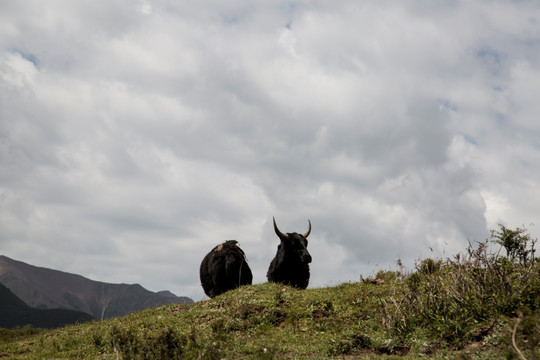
{"points": [[136, 136]]}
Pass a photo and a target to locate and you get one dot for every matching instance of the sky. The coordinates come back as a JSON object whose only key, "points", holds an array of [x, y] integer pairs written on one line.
{"points": [[137, 135]]}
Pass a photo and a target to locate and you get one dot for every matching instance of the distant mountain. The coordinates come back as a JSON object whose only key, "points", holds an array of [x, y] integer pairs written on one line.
{"points": [[44, 288], [15, 313]]}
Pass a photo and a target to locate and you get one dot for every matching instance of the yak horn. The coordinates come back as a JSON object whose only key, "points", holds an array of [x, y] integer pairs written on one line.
{"points": [[279, 233], [309, 229]]}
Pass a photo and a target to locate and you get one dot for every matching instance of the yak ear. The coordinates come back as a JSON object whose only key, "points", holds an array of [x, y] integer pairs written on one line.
{"points": [[279, 233]]}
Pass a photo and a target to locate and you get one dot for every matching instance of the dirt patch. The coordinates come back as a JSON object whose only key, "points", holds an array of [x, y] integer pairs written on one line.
{"points": [[321, 313], [179, 309]]}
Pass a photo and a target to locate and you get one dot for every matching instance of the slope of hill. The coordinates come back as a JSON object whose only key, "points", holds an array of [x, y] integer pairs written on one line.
{"points": [[475, 305], [44, 288], [265, 321], [15, 313]]}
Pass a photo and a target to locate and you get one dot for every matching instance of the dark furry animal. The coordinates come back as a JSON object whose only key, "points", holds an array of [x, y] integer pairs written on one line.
{"points": [[290, 266], [224, 268]]}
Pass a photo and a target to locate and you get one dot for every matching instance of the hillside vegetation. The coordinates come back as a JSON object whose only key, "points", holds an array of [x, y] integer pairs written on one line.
{"points": [[476, 305]]}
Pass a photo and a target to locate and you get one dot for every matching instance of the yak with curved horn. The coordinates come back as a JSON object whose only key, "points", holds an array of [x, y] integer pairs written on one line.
{"points": [[290, 266]]}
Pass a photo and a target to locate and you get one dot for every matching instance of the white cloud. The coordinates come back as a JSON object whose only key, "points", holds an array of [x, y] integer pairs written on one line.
{"points": [[135, 136]]}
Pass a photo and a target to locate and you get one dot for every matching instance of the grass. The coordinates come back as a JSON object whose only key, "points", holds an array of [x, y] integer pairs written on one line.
{"points": [[259, 321], [263, 321], [475, 306]]}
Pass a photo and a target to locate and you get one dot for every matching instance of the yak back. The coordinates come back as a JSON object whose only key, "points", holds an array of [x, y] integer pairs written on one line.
{"points": [[224, 268]]}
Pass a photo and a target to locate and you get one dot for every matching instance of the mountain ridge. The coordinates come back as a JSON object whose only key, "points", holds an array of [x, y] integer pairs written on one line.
{"points": [[44, 288], [15, 313]]}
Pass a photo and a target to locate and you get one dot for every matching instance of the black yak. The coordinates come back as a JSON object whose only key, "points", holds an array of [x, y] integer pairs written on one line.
{"points": [[224, 268], [290, 266]]}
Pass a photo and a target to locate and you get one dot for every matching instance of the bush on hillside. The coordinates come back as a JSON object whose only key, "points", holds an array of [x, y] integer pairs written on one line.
{"points": [[460, 300]]}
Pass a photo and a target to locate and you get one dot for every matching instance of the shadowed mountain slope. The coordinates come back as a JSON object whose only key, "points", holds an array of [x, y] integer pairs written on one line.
{"points": [[44, 288], [15, 313]]}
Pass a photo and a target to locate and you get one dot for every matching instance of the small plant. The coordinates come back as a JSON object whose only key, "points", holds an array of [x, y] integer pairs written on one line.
{"points": [[265, 353], [350, 344], [515, 242], [429, 266], [124, 343], [167, 345]]}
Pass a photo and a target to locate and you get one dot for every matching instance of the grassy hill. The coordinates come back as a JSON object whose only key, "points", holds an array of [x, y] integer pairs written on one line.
{"points": [[473, 306], [266, 321]]}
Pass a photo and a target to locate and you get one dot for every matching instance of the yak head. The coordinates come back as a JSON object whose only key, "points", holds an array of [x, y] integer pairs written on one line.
{"points": [[293, 245]]}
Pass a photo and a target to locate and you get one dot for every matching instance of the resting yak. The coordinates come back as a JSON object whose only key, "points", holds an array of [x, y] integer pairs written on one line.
{"points": [[290, 266], [224, 268]]}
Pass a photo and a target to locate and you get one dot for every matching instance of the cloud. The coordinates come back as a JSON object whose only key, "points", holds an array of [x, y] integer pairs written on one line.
{"points": [[136, 136]]}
